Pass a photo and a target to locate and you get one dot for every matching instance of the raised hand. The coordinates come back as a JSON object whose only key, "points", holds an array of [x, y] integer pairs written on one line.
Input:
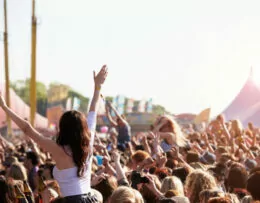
{"points": [[100, 78], [97, 179], [204, 137], [116, 156]]}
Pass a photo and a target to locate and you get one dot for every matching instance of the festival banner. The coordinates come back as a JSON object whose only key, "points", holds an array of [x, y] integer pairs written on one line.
{"points": [[204, 116], [121, 104], [141, 106], [76, 103], [130, 105], [68, 104], [149, 106]]}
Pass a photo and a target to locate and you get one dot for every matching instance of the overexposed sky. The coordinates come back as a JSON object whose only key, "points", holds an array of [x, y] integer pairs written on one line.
{"points": [[186, 55]]}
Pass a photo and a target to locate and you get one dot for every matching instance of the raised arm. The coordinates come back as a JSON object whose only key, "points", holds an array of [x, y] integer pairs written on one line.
{"points": [[28, 130], [111, 120], [119, 170], [116, 112], [99, 79]]}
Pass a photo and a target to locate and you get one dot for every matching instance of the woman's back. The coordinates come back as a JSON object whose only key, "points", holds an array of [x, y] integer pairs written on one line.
{"points": [[68, 179]]}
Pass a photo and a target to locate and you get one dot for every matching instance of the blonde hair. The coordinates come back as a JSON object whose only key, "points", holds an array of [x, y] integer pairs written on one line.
{"points": [[125, 194], [18, 172], [172, 183], [198, 181], [237, 128], [180, 139]]}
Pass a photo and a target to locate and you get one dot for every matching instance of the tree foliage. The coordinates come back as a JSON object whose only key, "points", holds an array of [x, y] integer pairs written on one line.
{"points": [[22, 89]]}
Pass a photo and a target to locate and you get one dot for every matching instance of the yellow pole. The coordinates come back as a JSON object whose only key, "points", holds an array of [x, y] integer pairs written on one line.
{"points": [[33, 66], [7, 94]]}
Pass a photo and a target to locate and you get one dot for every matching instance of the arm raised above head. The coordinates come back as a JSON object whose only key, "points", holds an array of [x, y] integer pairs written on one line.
{"points": [[28, 130], [99, 79]]}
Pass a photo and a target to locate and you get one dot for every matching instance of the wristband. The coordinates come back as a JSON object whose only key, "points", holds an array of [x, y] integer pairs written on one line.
{"points": [[98, 87]]}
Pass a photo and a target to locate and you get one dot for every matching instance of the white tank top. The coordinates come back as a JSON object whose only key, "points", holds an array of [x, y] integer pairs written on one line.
{"points": [[70, 184]]}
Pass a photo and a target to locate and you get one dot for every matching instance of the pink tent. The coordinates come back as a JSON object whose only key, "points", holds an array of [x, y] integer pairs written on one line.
{"points": [[246, 105], [21, 109]]}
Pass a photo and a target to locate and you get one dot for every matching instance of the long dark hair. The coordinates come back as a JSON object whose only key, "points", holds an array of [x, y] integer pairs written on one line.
{"points": [[73, 132]]}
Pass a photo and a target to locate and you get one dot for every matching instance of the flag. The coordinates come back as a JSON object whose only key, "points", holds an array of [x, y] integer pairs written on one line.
{"points": [[141, 106], [149, 106], [68, 104], [76, 103], [129, 106], [204, 116], [121, 104]]}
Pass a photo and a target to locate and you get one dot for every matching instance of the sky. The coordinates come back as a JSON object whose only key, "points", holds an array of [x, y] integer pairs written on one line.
{"points": [[187, 55]]}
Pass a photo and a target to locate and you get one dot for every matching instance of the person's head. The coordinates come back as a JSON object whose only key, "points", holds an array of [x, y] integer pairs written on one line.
{"points": [[220, 200], [194, 137], [250, 126], [196, 182], [208, 158], [172, 126], [47, 171], [161, 173], [205, 195], [253, 183], [171, 163], [250, 164], [17, 171], [7, 194], [237, 178], [172, 183], [181, 173], [219, 151], [73, 132], [237, 127], [147, 193], [106, 187], [219, 172], [192, 157], [220, 118], [138, 157], [224, 158], [98, 195], [126, 195], [32, 159], [9, 161], [120, 122]]}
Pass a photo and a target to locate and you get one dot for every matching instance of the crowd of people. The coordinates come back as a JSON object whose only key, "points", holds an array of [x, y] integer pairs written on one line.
{"points": [[217, 162]]}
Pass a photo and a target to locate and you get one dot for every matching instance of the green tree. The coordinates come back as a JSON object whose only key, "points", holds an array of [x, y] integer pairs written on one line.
{"points": [[22, 89], [158, 109]]}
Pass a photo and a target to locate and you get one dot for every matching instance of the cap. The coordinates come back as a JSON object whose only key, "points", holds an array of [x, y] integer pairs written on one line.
{"points": [[208, 158]]}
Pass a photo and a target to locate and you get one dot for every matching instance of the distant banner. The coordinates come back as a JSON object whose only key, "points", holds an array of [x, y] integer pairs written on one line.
{"points": [[68, 104], [141, 106], [141, 118], [149, 106], [204, 116], [121, 104], [76, 103], [130, 106]]}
